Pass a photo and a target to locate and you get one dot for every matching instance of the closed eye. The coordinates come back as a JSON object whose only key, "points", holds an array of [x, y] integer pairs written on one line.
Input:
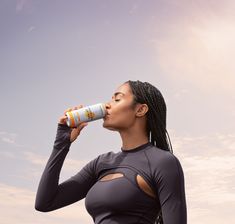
{"points": [[115, 99]]}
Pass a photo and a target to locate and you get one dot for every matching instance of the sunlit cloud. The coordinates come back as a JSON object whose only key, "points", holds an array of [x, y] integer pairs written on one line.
{"points": [[199, 51], [206, 146], [210, 188], [17, 206], [209, 163]]}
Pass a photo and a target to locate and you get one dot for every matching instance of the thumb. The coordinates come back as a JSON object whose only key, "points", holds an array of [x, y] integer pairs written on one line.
{"points": [[76, 131], [83, 125]]}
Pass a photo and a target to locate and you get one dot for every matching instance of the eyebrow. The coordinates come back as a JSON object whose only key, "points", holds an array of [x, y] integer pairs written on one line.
{"points": [[117, 93]]}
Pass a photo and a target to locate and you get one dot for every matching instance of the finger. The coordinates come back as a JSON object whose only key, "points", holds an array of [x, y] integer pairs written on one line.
{"points": [[83, 125], [74, 134], [76, 131], [79, 106], [69, 109], [62, 120], [74, 108]]}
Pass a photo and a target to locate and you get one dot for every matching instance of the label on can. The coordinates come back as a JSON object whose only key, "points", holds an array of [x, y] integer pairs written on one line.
{"points": [[85, 114]]}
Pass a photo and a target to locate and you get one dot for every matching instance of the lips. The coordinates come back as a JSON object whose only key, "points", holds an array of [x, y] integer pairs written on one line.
{"points": [[107, 114]]}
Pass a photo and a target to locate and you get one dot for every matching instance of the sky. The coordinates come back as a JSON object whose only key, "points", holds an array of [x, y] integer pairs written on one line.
{"points": [[59, 54]]}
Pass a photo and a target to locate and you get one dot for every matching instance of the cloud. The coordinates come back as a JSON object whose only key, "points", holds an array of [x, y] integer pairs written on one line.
{"points": [[208, 162], [31, 29], [37, 162], [9, 138], [17, 206], [206, 146], [198, 47], [34, 158], [40, 160], [210, 188]]}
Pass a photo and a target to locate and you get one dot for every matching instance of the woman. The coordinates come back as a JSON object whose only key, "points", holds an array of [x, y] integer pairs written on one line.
{"points": [[142, 183]]}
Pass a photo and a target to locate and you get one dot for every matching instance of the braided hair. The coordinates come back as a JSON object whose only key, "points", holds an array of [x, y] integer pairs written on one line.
{"points": [[146, 93]]}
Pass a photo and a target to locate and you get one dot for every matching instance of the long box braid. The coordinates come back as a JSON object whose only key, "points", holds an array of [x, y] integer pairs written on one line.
{"points": [[148, 94]]}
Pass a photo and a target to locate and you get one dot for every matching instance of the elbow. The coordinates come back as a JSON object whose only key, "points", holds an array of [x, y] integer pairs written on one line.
{"points": [[42, 204], [41, 208]]}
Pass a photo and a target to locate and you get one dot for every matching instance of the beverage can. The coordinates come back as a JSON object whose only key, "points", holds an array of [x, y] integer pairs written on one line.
{"points": [[85, 114]]}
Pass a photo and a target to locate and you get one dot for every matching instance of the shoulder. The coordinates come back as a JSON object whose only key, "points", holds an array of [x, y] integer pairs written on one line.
{"points": [[106, 158], [162, 160], [103, 161], [94, 164], [107, 155]]}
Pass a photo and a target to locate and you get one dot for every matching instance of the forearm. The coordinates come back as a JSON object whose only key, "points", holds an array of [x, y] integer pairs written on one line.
{"points": [[48, 185]]}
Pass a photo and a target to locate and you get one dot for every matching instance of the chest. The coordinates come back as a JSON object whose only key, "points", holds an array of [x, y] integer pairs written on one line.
{"points": [[121, 189]]}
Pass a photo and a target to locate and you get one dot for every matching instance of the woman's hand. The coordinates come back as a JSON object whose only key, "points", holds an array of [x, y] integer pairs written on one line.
{"points": [[76, 130]]}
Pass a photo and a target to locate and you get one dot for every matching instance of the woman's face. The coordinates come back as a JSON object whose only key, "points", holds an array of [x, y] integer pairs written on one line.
{"points": [[121, 114]]}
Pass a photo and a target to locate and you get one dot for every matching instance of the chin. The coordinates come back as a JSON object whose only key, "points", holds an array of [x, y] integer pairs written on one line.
{"points": [[109, 127]]}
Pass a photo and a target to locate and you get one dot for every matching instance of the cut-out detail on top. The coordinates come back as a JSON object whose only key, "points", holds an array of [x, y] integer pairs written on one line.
{"points": [[145, 186], [111, 176]]}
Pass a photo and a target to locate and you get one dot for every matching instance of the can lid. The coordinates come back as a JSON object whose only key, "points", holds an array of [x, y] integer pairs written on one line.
{"points": [[68, 119], [104, 108]]}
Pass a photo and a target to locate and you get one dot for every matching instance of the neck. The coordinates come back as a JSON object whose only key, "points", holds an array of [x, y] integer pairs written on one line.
{"points": [[133, 137]]}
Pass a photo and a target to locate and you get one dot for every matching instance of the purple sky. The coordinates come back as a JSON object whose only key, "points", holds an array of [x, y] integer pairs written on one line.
{"points": [[58, 54]]}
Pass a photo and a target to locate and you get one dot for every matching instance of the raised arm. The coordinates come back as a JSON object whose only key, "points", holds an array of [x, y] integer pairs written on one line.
{"points": [[50, 194]]}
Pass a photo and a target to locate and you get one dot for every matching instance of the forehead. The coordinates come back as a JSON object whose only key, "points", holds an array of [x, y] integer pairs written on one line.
{"points": [[124, 89]]}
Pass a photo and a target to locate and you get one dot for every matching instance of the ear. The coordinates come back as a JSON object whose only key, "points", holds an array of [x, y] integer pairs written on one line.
{"points": [[142, 109]]}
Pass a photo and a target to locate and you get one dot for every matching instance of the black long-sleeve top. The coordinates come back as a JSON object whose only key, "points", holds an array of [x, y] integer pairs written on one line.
{"points": [[120, 200]]}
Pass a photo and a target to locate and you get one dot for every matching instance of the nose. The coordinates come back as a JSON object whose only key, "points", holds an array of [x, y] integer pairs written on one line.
{"points": [[107, 106]]}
